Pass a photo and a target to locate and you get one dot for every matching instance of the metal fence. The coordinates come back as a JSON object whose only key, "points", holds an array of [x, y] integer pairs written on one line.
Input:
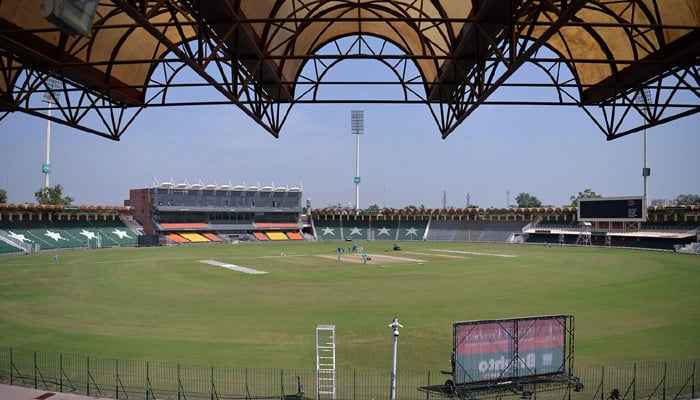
{"points": [[151, 380]]}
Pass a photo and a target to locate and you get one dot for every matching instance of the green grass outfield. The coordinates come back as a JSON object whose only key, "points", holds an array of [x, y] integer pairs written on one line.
{"points": [[161, 304]]}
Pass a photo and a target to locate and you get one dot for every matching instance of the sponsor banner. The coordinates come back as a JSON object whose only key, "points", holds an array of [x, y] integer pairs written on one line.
{"points": [[487, 351]]}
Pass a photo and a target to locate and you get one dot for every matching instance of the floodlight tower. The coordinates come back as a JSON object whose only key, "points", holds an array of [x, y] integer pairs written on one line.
{"points": [[51, 85], [646, 172], [357, 126]]}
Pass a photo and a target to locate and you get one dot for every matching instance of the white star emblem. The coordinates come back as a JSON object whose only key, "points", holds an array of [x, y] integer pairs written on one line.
{"points": [[54, 235], [328, 231], [383, 231], [411, 232], [354, 231], [121, 234], [88, 234], [19, 237]]}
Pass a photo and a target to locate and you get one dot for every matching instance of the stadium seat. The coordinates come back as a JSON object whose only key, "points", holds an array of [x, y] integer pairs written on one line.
{"points": [[71, 234], [212, 237], [6, 248], [327, 229], [294, 236], [194, 237], [276, 235], [176, 238], [260, 236]]}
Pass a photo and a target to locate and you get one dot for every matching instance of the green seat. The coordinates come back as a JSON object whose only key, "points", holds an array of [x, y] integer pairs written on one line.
{"points": [[6, 248]]}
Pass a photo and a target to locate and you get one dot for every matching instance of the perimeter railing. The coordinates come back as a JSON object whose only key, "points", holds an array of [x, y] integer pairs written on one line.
{"points": [[152, 380]]}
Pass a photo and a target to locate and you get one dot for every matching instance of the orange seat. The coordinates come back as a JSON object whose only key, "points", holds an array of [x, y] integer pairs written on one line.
{"points": [[276, 235], [260, 236], [176, 238], [194, 237], [295, 236], [212, 237]]}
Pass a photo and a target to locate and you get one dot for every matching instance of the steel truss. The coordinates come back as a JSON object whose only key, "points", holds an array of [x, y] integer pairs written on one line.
{"points": [[525, 380], [617, 107]]}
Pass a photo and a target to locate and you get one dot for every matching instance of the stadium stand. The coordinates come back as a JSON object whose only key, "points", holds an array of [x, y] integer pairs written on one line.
{"points": [[260, 236], [384, 230], [70, 235], [662, 243], [355, 229], [378, 229], [194, 237], [176, 238], [446, 231], [691, 248], [212, 237], [229, 212], [44, 227], [411, 229], [294, 236], [666, 228], [7, 248], [473, 231], [276, 235], [328, 229]]}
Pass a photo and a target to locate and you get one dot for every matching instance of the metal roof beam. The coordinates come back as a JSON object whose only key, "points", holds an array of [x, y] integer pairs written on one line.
{"points": [[567, 10], [681, 52], [227, 22], [142, 20], [31, 49]]}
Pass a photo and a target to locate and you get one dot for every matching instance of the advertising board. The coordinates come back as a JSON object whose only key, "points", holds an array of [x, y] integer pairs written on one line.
{"points": [[511, 348]]}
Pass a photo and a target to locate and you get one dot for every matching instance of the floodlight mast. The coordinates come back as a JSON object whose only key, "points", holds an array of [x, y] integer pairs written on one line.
{"points": [[51, 85], [47, 164], [646, 93], [357, 127]]}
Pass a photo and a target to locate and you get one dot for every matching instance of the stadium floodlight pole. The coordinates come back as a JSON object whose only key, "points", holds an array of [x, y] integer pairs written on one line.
{"points": [[52, 85], [646, 93], [394, 325], [47, 164], [357, 126]]}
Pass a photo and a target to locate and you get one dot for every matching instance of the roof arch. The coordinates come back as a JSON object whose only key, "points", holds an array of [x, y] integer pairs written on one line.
{"points": [[100, 61], [463, 49], [349, 54]]}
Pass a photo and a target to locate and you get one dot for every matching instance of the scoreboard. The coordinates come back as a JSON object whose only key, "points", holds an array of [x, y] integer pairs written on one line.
{"points": [[629, 209]]}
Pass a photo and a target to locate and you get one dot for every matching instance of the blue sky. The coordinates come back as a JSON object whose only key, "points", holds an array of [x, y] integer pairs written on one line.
{"points": [[550, 152]]}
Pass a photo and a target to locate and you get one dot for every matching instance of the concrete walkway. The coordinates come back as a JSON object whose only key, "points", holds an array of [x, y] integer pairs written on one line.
{"points": [[8, 392]]}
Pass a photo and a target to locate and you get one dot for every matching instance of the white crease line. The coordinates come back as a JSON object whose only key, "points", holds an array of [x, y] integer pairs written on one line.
{"points": [[233, 267], [438, 255], [396, 258], [286, 255], [474, 253]]}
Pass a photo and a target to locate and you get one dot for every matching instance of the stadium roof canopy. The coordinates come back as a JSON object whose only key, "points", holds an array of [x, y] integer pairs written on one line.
{"points": [[628, 64]]}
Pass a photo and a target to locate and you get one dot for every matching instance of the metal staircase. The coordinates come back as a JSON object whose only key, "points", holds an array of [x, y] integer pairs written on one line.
{"points": [[131, 223], [325, 362]]}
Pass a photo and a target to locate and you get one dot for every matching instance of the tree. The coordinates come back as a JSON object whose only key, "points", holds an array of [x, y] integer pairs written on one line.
{"points": [[3, 196], [526, 200], [586, 194], [687, 199], [373, 209], [53, 195]]}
